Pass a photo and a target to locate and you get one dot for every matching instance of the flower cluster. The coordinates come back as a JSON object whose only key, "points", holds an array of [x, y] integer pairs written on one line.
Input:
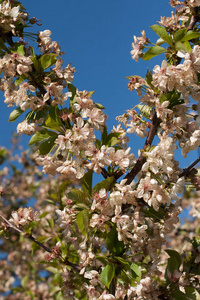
{"points": [[105, 240]]}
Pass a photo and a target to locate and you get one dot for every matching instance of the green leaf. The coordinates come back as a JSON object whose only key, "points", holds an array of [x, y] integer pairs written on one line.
{"points": [[136, 272], [190, 35], [176, 102], [90, 93], [52, 124], [51, 223], [24, 281], [54, 114], [174, 262], [112, 139], [108, 274], [98, 144], [100, 106], [63, 186], [19, 48], [43, 239], [104, 135], [105, 184], [179, 35], [86, 182], [162, 33], [183, 46], [178, 295], [41, 135], [82, 220], [30, 115], [47, 60], [78, 196], [153, 51], [175, 254], [36, 64], [15, 114], [20, 79], [2, 45], [149, 77], [46, 146], [145, 110], [192, 293], [72, 89], [43, 215], [115, 246]]}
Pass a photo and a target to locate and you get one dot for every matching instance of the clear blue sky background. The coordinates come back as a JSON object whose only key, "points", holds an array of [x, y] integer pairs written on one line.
{"points": [[96, 37]]}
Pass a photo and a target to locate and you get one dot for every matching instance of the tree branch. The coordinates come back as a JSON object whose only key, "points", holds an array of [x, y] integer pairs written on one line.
{"points": [[141, 160], [186, 171], [29, 236]]}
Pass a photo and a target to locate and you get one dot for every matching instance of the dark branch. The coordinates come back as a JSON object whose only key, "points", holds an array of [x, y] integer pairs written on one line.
{"points": [[187, 171], [30, 237]]}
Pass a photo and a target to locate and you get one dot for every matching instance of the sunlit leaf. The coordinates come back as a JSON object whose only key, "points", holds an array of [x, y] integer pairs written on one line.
{"points": [[153, 51], [108, 274], [15, 114], [40, 136], [47, 60], [105, 184], [180, 34], [190, 35], [82, 220], [162, 33], [86, 182]]}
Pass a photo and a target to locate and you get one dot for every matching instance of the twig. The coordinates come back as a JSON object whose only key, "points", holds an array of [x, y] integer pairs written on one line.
{"points": [[188, 169], [29, 236], [141, 160], [104, 173]]}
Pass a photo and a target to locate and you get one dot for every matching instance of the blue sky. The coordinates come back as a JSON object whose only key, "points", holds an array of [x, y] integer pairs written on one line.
{"points": [[96, 37]]}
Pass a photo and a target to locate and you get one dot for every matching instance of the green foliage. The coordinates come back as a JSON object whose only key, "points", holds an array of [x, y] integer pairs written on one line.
{"points": [[47, 145], [78, 196], [162, 33], [190, 294], [15, 114], [153, 51], [47, 60], [3, 155], [86, 183], [174, 262], [115, 246], [53, 120], [180, 34], [105, 184], [149, 77], [100, 106], [82, 220], [20, 79], [131, 270], [108, 274], [190, 35], [145, 110], [72, 89], [183, 46], [19, 48], [41, 136], [112, 139]]}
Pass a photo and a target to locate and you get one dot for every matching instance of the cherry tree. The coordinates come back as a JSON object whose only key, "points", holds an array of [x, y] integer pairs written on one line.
{"points": [[119, 238]]}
